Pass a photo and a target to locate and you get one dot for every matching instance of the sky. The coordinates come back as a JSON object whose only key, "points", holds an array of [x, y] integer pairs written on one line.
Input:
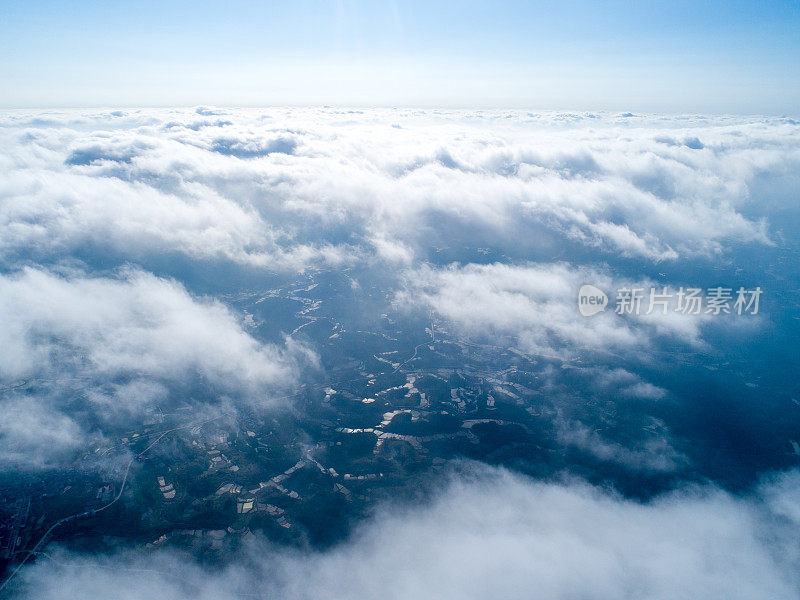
{"points": [[712, 57]]}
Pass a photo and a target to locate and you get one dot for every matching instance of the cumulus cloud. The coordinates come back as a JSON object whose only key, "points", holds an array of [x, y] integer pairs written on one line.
{"points": [[535, 307], [492, 534], [286, 189], [119, 344], [138, 324]]}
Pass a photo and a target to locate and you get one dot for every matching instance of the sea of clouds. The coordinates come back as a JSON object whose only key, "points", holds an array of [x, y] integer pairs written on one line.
{"points": [[115, 227], [293, 188]]}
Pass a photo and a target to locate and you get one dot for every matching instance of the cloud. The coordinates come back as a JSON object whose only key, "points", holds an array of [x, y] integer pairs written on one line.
{"points": [[100, 351], [293, 188], [654, 454], [138, 324], [253, 148], [33, 436], [534, 306], [490, 534], [626, 383]]}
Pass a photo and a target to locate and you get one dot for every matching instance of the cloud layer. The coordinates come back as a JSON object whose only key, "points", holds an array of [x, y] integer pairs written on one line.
{"points": [[490, 534], [492, 219], [129, 238], [289, 188]]}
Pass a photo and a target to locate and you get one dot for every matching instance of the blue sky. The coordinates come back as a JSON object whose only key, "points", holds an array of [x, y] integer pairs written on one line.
{"points": [[741, 57]]}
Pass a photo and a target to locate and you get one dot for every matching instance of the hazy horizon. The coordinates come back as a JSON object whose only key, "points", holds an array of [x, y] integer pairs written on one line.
{"points": [[718, 57]]}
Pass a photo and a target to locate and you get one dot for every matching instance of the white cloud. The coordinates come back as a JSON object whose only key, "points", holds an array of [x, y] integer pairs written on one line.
{"points": [[96, 353], [138, 324], [289, 188], [628, 384], [493, 535], [33, 436], [653, 454], [535, 307]]}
